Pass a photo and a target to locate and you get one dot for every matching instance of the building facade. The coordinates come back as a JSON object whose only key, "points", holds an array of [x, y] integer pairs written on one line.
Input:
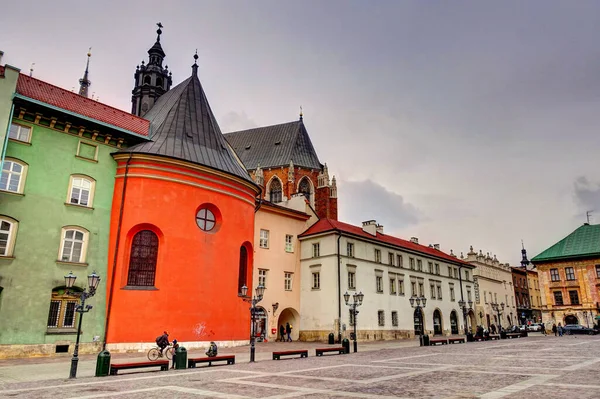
{"points": [[493, 285], [55, 207], [535, 295], [569, 277], [521, 287], [338, 257]]}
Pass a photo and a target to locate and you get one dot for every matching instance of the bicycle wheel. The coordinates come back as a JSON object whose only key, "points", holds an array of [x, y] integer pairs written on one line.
{"points": [[153, 354], [169, 353]]}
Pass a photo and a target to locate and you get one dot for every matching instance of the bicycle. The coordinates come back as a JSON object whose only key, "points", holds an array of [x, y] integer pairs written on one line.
{"points": [[154, 353]]}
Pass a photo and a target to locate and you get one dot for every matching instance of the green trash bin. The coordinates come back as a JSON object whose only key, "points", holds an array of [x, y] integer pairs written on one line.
{"points": [[331, 337], [346, 344], [103, 364], [181, 358]]}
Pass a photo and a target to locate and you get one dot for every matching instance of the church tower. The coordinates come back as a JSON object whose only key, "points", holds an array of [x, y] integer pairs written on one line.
{"points": [[84, 82], [152, 80]]}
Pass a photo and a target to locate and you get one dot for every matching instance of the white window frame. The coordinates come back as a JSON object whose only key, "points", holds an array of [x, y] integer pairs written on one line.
{"points": [[399, 260], [20, 128], [391, 258], [379, 284], [262, 277], [289, 243], [316, 250], [394, 318], [439, 291], [351, 280], [377, 255], [22, 175], [411, 262], [401, 286], [288, 280], [11, 236], [91, 190], [432, 288], [84, 244], [264, 239], [381, 318], [393, 290], [452, 294], [316, 280], [350, 249]]}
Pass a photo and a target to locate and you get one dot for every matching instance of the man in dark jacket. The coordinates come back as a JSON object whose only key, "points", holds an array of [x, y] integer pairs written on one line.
{"points": [[282, 332], [162, 342], [288, 331]]}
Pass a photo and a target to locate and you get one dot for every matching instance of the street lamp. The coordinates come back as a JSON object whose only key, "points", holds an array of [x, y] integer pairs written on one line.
{"points": [[357, 300], [260, 290], [93, 281], [415, 302], [498, 307], [463, 305]]}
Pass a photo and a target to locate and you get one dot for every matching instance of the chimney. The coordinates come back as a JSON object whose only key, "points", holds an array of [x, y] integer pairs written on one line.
{"points": [[370, 227], [436, 246], [414, 240], [379, 228]]}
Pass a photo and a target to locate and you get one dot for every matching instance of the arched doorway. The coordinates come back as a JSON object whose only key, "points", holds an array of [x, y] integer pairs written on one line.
{"points": [[291, 316], [419, 327], [453, 322], [260, 324], [571, 319], [472, 322], [437, 322]]}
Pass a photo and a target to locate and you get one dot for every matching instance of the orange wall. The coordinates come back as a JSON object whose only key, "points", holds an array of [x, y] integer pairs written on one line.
{"points": [[196, 285]]}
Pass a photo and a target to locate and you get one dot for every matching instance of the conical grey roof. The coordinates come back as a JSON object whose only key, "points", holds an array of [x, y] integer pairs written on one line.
{"points": [[183, 126]]}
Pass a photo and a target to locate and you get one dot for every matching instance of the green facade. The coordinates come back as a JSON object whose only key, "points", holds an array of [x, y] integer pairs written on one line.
{"points": [[8, 84], [29, 276]]}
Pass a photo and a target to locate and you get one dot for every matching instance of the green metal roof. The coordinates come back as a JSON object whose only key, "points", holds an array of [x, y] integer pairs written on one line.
{"points": [[583, 242]]}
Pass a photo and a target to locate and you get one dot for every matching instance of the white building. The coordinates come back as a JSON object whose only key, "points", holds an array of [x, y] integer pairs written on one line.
{"points": [[337, 257], [493, 284]]}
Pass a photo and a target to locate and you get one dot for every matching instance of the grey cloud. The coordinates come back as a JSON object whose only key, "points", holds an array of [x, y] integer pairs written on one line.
{"points": [[587, 194], [234, 121], [366, 200]]}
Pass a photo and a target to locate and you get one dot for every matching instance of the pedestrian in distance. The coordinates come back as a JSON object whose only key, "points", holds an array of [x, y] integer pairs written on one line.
{"points": [[212, 349], [543, 329], [175, 346], [560, 330], [282, 333], [554, 330], [288, 330]]}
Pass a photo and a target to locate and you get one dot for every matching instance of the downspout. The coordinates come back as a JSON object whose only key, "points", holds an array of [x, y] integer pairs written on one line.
{"points": [[339, 270], [114, 268], [462, 298], [12, 109]]}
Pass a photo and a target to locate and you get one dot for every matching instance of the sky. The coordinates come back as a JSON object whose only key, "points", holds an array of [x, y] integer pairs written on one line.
{"points": [[460, 123]]}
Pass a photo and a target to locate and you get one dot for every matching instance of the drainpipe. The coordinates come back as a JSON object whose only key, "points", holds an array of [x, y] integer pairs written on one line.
{"points": [[12, 109], [339, 261], [114, 267], [462, 298]]}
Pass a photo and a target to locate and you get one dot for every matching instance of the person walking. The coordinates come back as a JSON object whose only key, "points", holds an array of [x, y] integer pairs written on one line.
{"points": [[560, 330], [175, 346], [288, 330], [554, 330], [543, 329], [282, 333]]}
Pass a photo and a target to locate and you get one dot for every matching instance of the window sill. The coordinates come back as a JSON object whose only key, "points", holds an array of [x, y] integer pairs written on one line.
{"points": [[7, 257], [62, 331], [12, 193], [379, 292], [86, 159], [27, 143], [64, 262], [315, 289], [79, 206], [139, 288]]}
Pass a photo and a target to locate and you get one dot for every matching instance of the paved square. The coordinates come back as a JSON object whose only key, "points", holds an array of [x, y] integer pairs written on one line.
{"points": [[533, 367]]}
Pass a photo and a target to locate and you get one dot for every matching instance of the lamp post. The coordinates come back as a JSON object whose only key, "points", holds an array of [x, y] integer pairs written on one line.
{"points": [[260, 290], [415, 302], [498, 307], [463, 305], [357, 300], [93, 281]]}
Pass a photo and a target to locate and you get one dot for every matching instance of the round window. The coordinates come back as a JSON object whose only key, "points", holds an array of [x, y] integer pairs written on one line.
{"points": [[205, 219]]}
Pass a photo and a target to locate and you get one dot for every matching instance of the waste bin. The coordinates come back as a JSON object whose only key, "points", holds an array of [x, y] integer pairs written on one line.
{"points": [[346, 344], [425, 340], [181, 358], [331, 338], [103, 364], [470, 337]]}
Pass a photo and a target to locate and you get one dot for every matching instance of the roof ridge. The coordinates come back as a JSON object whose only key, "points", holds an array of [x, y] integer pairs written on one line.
{"points": [[262, 127]]}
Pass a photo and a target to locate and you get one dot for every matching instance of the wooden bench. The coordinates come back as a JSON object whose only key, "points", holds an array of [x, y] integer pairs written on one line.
{"points": [[493, 337], [341, 350], [301, 352], [163, 364], [230, 359], [513, 335], [442, 341], [456, 340]]}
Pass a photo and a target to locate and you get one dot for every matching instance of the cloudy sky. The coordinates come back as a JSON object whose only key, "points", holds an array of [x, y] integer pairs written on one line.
{"points": [[461, 123]]}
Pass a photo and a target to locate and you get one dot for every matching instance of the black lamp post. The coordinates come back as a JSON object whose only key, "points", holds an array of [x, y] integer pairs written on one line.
{"points": [[260, 290], [93, 281], [357, 300], [463, 305], [415, 302], [498, 307]]}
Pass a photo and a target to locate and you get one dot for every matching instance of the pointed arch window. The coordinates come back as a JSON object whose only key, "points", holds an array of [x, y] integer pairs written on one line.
{"points": [[276, 191], [142, 259], [243, 268], [304, 188]]}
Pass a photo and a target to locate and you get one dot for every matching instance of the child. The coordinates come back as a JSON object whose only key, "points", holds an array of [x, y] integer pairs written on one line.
{"points": [[175, 346]]}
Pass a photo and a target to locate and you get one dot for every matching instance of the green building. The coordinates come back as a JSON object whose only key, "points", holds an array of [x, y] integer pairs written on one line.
{"points": [[56, 193]]}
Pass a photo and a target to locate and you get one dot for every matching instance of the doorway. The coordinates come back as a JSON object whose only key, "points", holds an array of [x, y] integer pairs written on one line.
{"points": [[418, 316], [453, 322], [570, 319], [437, 322]]}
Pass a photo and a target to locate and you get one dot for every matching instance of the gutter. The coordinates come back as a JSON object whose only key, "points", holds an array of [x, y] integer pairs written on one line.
{"points": [[12, 110]]}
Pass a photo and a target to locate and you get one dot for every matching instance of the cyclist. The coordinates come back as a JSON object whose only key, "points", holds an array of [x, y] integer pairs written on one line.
{"points": [[162, 342]]}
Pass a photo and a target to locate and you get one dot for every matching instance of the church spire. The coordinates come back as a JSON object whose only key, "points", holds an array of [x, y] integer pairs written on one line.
{"points": [[84, 82], [524, 261]]}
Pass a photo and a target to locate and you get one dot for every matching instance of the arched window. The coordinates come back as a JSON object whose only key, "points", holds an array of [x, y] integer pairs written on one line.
{"points": [[304, 188], [437, 322], [62, 312], [147, 80], [453, 322], [8, 233], [13, 175], [73, 245], [81, 190], [159, 82], [142, 259], [243, 268], [275, 191]]}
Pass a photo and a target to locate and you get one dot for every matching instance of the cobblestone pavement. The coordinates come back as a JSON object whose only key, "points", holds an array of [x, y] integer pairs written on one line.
{"points": [[533, 367]]}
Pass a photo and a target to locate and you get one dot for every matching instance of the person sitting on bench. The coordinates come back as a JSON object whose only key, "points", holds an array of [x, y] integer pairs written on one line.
{"points": [[212, 350]]}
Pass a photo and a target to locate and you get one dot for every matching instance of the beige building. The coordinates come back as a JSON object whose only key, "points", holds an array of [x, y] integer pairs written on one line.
{"points": [[535, 295], [277, 264], [493, 284]]}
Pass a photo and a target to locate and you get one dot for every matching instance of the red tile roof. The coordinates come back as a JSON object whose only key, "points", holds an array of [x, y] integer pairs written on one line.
{"points": [[69, 101], [325, 225]]}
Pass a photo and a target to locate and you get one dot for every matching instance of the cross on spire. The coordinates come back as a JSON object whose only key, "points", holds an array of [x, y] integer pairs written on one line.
{"points": [[159, 31]]}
